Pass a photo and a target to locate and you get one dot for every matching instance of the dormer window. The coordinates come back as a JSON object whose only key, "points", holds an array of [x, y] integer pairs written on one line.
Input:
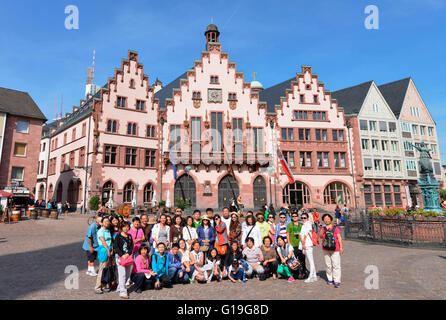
{"points": [[301, 98], [132, 84], [232, 96], [308, 87], [196, 95], [214, 79]]}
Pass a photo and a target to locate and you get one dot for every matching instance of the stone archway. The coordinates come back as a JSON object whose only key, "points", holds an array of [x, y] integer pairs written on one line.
{"points": [[185, 189], [259, 192], [228, 190]]}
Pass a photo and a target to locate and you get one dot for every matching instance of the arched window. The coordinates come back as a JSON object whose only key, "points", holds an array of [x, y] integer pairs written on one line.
{"points": [[337, 193], [128, 192], [114, 126], [148, 192], [109, 126], [296, 194]]}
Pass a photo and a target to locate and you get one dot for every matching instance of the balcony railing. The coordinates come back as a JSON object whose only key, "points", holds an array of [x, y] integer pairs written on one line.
{"points": [[208, 158]]}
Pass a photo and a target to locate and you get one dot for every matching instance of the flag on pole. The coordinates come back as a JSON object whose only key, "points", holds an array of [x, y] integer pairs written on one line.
{"points": [[174, 168], [285, 167], [227, 160]]}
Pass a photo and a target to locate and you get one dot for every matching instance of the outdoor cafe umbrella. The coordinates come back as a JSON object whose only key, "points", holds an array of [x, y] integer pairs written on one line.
{"points": [[168, 199], [134, 199], [110, 199], [154, 199]]}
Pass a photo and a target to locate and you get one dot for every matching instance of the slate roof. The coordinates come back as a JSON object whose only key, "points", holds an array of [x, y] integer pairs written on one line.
{"points": [[352, 98], [167, 91], [19, 103], [394, 93], [272, 94]]}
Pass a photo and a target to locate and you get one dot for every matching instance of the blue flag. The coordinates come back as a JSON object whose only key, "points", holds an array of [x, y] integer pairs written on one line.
{"points": [[173, 165]]}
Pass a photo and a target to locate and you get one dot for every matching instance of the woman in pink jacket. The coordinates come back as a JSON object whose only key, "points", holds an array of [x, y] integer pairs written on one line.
{"points": [[142, 275]]}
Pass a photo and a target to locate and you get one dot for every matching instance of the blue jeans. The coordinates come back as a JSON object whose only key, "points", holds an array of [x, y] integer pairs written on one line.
{"points": [[239, 275], [174, 274], [60, 211]]}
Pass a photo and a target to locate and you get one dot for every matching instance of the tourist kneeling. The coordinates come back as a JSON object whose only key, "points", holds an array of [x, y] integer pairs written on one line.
{"points": [[254, 258], [236, 272], [160, 265], [142, 275]]}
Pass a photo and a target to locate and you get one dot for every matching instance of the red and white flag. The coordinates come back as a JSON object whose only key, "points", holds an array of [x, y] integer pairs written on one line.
{"points": [[285, 167]]}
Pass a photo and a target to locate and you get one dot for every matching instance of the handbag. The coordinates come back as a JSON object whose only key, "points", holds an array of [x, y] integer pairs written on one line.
{"points": [[221, 249], [108, 275], [314, 238], [293, 263], [126, 262], [204, 248]]}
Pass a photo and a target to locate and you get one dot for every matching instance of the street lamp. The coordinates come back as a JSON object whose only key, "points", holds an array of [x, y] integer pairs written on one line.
{"points": [[161, 160], [349, 126], [270, 171], [136, 197], [188, 169]]}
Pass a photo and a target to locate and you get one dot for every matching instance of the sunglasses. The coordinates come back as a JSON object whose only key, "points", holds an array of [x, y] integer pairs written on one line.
{"points": [[295, 216], [304, 218]]}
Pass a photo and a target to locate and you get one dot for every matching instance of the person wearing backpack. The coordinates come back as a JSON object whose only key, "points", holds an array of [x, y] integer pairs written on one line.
{"points": [[307, 245], [333, 249]]}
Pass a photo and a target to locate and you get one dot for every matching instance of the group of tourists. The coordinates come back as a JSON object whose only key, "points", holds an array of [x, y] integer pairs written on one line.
{"points": [[149, 253]]}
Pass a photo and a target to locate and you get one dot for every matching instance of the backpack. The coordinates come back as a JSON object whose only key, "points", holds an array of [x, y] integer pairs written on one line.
{"points": [[329, 239]]}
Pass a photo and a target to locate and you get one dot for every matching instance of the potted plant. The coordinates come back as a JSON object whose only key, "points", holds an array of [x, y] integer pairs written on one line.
{"points": [[181, 203]]}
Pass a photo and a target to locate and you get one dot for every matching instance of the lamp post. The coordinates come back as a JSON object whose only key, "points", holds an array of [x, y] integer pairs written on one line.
{"points": [[188, 169], [349, 126], [270, 171], [136, 197], [161, 160]]}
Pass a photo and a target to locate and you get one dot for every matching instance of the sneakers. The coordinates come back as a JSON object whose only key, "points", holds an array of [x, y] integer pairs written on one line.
{"points": [[330, 282], [98, 292], [290, 279], [337, 284], [311, 279], [91, 273]]}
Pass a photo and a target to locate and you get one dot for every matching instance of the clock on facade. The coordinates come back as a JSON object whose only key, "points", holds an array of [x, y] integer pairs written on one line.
{"points": [[214, 95]]}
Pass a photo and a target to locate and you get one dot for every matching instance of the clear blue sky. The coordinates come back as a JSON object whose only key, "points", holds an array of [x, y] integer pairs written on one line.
{"points": [[273, 38]]}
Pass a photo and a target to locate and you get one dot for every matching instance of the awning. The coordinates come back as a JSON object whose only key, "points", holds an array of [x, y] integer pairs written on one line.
{"points": [[4, 194]]}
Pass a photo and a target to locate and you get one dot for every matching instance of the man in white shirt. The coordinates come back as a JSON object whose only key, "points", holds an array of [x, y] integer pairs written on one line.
{"points": [[226, 219]]}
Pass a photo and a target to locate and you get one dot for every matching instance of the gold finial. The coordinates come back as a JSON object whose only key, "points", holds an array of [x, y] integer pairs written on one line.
{"points": [[228, 115], [186, 115], [247, 116], [206, 115], [254, 75]]}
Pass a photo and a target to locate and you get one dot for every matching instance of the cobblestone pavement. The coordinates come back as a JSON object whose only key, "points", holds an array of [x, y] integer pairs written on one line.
{"points": [[34, 254]]}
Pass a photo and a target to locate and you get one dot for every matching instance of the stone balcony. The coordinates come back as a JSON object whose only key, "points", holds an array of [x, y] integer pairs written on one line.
{"points": [[218, 158]]}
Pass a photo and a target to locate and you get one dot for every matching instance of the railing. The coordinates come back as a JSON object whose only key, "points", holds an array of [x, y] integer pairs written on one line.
{"points": [[404, 231], [208, 158]]}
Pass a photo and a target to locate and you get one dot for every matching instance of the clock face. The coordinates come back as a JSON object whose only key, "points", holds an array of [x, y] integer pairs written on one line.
{"points": [[214, 95]]}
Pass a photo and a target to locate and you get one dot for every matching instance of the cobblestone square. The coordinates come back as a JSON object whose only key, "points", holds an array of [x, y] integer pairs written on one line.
{"points": [[34, 254]]}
